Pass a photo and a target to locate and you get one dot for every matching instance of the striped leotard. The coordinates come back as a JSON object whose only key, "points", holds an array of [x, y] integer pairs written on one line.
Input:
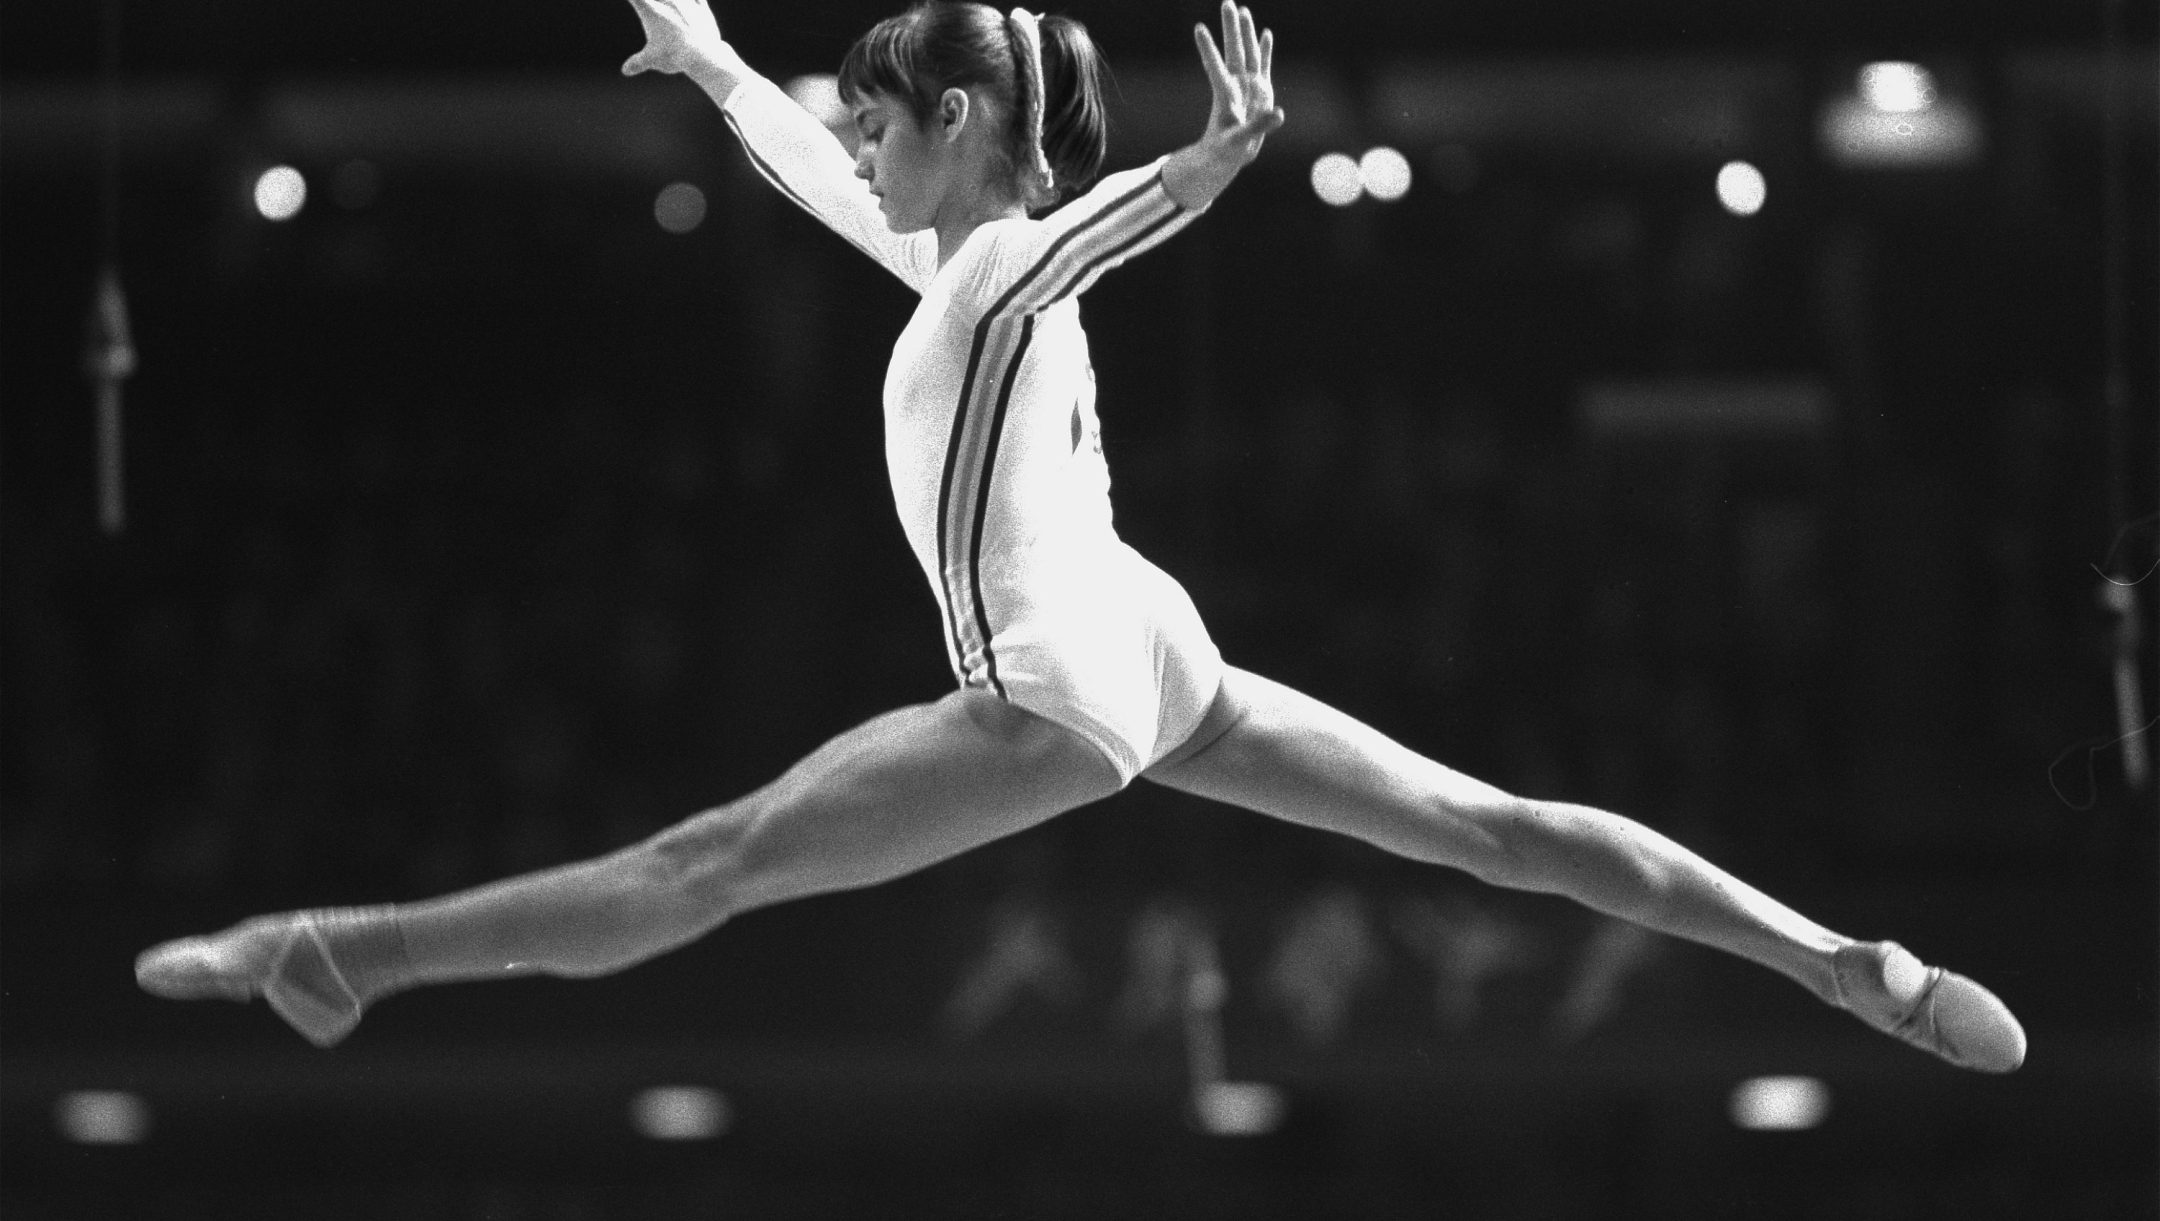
{"points": [[995, 451]]}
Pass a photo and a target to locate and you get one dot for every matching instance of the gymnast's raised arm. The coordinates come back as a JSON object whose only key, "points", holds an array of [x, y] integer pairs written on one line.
{"points": [[787, 145]]}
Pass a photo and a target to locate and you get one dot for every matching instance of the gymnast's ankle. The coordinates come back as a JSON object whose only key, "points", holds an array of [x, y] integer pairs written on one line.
{"points": [[366, 945]]}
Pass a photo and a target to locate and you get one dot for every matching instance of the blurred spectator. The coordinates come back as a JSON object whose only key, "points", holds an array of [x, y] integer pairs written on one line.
{"points": [[1328, 953]]}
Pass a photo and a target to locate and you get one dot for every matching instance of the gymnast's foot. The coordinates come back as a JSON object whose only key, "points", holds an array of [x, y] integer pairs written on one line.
{"points": [[1938, 1011], [282, 959]]}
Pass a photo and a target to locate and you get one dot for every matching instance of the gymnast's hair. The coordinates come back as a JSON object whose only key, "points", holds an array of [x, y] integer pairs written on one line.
{"points": [[946, 44]]}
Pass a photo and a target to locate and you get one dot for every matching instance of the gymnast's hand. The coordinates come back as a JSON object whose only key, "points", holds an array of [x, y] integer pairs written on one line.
{"points": [[1244, 111], [680, 36], [1242, 114]]}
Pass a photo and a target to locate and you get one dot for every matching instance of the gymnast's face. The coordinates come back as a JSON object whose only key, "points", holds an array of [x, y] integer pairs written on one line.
{"points": [[897, 158], [919, 171]]}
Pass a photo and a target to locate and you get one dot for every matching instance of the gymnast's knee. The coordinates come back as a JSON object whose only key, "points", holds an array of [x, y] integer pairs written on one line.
{"points": [[1504, 840]]}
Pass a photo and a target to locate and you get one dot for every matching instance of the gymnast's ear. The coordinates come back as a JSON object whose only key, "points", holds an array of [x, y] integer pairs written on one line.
{"points": [[953, 110]]}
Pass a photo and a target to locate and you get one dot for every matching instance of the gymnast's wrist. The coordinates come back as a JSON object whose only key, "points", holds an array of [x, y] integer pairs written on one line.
{"points": [[1194, 175], [719, 71]]}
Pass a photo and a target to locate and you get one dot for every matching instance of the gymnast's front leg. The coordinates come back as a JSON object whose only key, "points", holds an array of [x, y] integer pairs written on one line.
{"points": [[898, 793], [1271, 749]]}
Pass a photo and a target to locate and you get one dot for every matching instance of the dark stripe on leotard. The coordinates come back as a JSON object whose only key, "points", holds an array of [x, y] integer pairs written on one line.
{"points": [[1117, 252], [982, 493], [1058, 247], [952, 461]]}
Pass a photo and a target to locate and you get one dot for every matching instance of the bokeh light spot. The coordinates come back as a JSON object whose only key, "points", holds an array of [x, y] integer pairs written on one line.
{"points": [[681, 1112], [102, 1117], [1336, 181], [1239, 1108], [1385, 173], [1741, 188], [1780, 1104], [280, 193], [679, 208], [1896, 87]]}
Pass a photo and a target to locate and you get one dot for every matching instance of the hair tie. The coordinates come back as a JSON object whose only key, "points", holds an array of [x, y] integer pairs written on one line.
{"points": [[1031, 65]]}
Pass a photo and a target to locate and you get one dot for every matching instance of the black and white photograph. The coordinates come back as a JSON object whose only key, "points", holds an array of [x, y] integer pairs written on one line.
{"points": [[1331, 610]]}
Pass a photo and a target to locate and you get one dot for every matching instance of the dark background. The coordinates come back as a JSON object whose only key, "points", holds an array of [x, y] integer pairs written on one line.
{"points": [[487, 525]]}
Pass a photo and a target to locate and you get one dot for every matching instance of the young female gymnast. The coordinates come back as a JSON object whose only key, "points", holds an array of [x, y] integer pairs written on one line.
{"points": [[1080, 665]]}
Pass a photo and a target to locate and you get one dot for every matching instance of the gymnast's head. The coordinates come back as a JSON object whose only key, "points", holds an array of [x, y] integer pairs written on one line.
{"points": [[942, 96]]}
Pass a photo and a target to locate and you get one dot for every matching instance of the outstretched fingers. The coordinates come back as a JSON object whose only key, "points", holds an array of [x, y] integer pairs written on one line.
{"points": [[1233, 39], [1211, 60]]}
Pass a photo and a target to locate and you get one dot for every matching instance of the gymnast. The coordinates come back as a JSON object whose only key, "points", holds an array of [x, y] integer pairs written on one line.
{"points": [[1079, 666]]}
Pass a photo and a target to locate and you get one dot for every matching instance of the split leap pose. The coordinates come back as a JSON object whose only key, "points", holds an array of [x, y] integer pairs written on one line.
{"points": [[1080, 665]]}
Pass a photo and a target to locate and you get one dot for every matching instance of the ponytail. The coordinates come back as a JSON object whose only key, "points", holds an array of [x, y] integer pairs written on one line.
{"points": [[1076, 128]]}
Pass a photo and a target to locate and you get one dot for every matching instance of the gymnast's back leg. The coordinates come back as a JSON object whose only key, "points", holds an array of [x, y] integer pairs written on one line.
{"points": [[1271, 749], [901, 792]]}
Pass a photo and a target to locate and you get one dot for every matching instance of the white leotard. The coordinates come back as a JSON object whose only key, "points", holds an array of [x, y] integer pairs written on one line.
{"points": [[991, 436]]}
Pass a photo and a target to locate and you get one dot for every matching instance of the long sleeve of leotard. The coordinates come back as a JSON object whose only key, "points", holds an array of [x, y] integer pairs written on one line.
{"points": [[797, 154], [1030, 266]]}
